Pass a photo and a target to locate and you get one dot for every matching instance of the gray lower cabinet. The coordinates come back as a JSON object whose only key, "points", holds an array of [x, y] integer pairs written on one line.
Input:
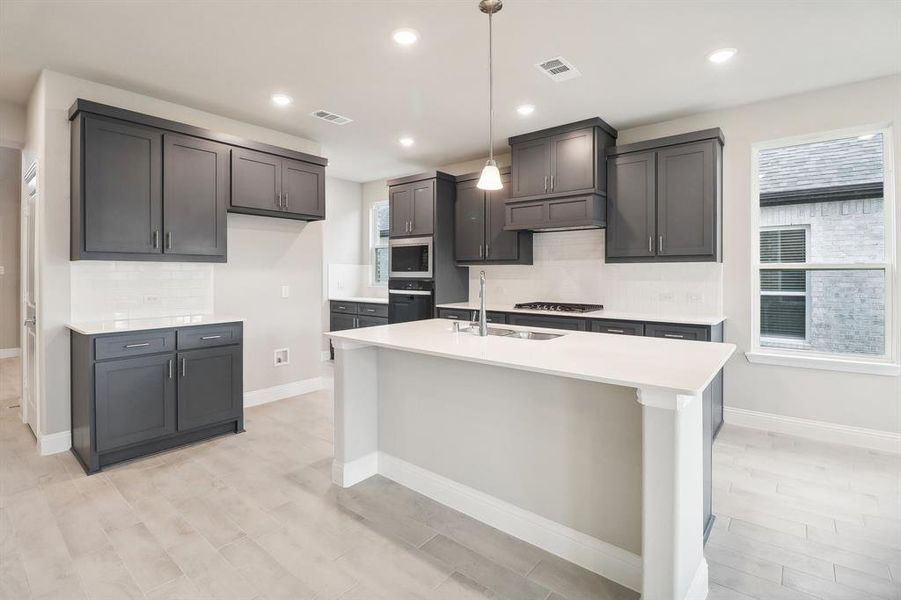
{"points": [[664, 201], [141, 392], [617, 327], [457, 314], [549, 321], [355, 315]]}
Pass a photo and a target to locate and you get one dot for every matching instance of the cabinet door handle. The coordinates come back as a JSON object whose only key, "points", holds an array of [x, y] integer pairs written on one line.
{"points": [[660, 244], [545, 183], [487, 249], [184, 367], [156, 238], [143, 345], [278, 199], [170, 368], [285, 204], [552, 183], [674, 336], [211, 337], [480, 250], [651, 244], [168, 240]]}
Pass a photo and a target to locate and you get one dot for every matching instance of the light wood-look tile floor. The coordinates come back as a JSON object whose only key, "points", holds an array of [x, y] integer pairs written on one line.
{"points": [[254, 516]]}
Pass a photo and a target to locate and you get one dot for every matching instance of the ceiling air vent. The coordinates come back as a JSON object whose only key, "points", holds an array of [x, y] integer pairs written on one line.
{"points": [[330, 117], [558, 69]]}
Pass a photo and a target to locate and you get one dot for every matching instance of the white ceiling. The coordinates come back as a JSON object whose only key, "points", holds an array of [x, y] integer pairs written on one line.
{"points": [[641, 62]]}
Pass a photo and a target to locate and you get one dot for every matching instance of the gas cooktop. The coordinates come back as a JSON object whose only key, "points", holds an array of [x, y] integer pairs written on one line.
{"points": [[560, 306]]}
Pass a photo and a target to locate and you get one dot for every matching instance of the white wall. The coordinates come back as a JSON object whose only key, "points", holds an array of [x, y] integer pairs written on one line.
{"points": [[868, 401], [264, 253], [12, 125], [341, 244]]}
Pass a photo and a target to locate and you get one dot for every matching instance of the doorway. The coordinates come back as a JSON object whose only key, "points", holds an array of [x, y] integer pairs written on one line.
{"points": [[30, 413], [10, 284]]}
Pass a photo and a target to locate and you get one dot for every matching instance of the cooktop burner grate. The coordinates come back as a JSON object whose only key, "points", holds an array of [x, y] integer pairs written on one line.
{"points": [[560, 306]]}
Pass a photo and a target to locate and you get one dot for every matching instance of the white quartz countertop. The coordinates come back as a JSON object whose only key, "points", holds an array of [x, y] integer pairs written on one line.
{"points": [[616, 315], [686, 367], [366, 299], [122, 325]]}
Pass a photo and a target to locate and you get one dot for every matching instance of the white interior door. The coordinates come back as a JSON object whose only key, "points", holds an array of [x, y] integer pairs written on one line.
{"points": [[29, 335]]}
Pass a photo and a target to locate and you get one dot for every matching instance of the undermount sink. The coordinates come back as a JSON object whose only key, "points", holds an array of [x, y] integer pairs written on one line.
{"points": [[473, 329]]}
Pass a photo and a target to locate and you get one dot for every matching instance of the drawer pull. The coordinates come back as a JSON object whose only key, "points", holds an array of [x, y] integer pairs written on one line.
{"points": [[342, 308], [677, 336], [143, 345], [369, 310], [615, 330], [211, 337]]}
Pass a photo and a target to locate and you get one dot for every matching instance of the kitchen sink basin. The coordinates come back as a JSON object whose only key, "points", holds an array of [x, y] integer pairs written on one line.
{"points": [[511, 333]]}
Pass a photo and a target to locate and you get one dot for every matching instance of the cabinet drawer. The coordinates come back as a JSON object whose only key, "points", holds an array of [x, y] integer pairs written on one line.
{"points": [[455, 313], [678, 332], [618, 327], [209, 336], [373, 310], [496, 317], [550, 322], [344, 307], [133, 344]]}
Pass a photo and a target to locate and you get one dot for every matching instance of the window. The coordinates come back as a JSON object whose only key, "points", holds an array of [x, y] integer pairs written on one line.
{"points": [[378, 243], [823, 256]]}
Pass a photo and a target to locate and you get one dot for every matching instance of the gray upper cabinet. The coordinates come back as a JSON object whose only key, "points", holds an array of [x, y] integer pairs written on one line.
{"points": [[195, 196], [256, 180], [686, 200], [303, 186], [479, 232], [631, 205], [145, 188], [559, 178], [665, 199], [135, 400], [530, 167], [411, 204], [268, 185], [120, 199]]}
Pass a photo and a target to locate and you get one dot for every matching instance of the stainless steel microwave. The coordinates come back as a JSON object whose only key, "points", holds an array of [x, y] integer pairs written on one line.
{"points": [[410, 258]]}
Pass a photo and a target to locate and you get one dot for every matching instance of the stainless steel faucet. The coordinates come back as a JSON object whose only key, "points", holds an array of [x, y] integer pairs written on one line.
{"points": [[483, 321]]}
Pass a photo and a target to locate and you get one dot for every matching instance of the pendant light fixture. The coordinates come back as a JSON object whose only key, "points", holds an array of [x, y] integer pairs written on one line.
{"points": [[491, 176]]}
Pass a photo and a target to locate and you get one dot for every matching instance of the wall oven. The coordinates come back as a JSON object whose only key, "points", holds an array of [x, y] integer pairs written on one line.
{"points": [[410, 258], [410, 300]]}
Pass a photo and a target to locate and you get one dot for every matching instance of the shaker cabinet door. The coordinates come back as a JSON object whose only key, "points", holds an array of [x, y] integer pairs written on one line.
{"points": [[423, 198], [631, 206], [122, 187], [303, 188], [469, 222], [530, 168], [195, 196], [134, 400], [686, 200], [209, 386], [256, 180], [500, 244], [573, 162], [400, 209]]}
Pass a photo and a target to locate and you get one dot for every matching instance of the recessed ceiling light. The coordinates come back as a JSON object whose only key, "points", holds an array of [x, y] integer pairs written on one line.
{"points": [[406, 142], [282, 99], [405, 37], [525, 109], [722, 55]]}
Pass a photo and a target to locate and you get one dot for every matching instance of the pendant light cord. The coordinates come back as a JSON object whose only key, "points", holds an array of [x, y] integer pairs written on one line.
{"points": [[490, 92]]}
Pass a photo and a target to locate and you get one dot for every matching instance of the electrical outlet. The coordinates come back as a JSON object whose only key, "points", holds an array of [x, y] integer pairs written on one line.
{"points": [[667, 296], [281, 357], [151, 299], [286, 291]]}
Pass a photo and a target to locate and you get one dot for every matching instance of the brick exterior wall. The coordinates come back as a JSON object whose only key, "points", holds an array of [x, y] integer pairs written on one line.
{"points": [[846, 309]]}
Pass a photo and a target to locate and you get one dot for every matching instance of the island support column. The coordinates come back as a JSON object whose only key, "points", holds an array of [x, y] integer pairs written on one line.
{"points": [[356, 413], [673, 563]]}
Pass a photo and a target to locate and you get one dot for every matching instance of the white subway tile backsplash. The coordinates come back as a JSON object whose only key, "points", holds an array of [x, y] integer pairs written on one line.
{"points": [[569, 267], [128, 290]]}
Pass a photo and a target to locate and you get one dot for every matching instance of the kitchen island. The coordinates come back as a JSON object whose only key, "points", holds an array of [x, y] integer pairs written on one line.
{"points": [[540, 438]]}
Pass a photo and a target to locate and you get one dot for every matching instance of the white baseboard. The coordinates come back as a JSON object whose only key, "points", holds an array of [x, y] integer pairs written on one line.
{"points": [[597, 556], [9, 352], [872, 439], [355, 471], [700, 583], [53, 443], [280, 392]]}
